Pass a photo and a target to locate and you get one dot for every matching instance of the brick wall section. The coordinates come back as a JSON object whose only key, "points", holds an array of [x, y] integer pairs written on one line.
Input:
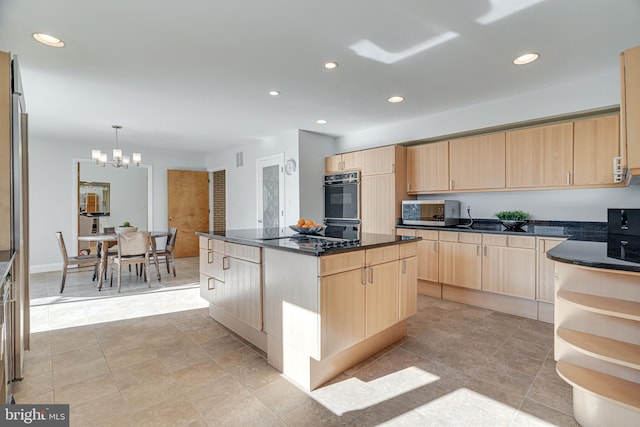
{"points": [[219, 201]]}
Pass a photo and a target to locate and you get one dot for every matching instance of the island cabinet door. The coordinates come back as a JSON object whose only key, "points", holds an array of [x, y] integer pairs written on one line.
{"points": [[212, 290], [408, 287], [243, 291], [381, 308], [342, 299]]}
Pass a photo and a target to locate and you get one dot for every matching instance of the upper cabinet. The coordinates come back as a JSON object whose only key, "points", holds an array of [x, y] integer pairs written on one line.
{"points": [[343, 162], [595, 145], [378, 160], [540, 156], [630, 109], [478, 162], [428, 167]]}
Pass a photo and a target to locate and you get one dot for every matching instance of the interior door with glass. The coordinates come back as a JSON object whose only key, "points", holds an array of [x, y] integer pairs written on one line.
{"points": [[270, 191]]}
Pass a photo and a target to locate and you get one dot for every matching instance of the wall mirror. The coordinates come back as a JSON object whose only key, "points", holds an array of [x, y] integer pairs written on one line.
{"points": [[95, 197]]}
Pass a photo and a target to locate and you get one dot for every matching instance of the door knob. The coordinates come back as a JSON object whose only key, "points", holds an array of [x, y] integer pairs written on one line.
{"points": [[170, 218]]}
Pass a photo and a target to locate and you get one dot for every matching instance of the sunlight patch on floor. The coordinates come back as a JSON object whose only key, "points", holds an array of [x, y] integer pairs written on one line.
{"points": [[54, 313], [354, 394]]}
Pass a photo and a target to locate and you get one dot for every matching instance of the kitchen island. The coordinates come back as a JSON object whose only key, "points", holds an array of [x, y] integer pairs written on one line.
{"points": [[316, 304], [597, 328]]}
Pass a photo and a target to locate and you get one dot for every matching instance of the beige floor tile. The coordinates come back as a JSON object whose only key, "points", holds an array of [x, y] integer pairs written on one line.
{"points": [[71, 358], [529, 349], [104, 409], [186, 356], [134, 356], [533, 414], [81, 372], [248, 411], [311, 413], [172, 412], [517, 361], [215, 393], [86, 391], [281, 396]]}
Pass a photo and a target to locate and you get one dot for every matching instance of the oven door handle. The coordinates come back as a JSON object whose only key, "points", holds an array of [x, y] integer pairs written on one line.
{"points": [[341, 185]]}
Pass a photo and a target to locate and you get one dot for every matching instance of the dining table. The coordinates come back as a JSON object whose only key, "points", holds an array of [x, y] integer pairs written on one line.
{"points": [[104, 240]]}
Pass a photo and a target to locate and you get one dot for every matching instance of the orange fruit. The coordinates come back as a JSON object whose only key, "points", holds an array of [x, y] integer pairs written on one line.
{"points": [[300, 222]]}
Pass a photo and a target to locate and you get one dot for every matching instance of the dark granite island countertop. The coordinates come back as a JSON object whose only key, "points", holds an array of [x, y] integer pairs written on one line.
{"points": [[288, 240], [616, 253]]}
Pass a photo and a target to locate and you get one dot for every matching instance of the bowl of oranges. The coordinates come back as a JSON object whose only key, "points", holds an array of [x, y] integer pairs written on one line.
{"points": [[307, 226]]}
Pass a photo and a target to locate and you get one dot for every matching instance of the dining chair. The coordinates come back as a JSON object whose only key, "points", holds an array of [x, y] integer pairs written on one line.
{"points": [[166, 254], [79, 261], [133, 248]]}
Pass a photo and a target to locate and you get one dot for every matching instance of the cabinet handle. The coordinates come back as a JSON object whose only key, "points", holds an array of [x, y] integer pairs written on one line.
{"points": [[435, 246], [408, 186], [225, 263], [485, 251], [450, 184], [404, 266], [370, 274], [210, 260], [568, 178], [478, 250], [363, 278], [211, 284]]}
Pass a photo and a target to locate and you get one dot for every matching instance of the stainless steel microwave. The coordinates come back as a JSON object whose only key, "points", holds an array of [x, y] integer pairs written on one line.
{"points": [[431, 212]]}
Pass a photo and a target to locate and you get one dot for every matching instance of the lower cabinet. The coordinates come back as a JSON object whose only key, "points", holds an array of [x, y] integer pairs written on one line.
{"points": [[460, 259], [428, 255], [546, 270], [509, 265], [231, 279], [374, 293]]}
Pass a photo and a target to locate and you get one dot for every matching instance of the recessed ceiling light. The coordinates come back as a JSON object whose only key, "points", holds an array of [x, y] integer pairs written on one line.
{"points": [[48, 39], [330, 65], [526, 58], [395, 99], [274, 93], [321, 122]]}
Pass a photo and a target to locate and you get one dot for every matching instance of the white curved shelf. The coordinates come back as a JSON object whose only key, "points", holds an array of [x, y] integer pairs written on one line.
{"points": [[613, 389], [603, 305], [619, 352]]}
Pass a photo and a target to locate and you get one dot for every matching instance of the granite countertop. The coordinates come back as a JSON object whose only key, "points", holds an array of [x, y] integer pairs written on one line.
{"points": [[573, 230], [287, 239], [619, 252]]}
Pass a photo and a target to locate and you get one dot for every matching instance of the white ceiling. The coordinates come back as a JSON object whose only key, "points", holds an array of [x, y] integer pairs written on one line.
{"points": [[193, 75]]}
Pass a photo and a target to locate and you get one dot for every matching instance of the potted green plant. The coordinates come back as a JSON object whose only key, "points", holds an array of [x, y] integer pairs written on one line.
{"points": [[513, 220], [126, 227]]}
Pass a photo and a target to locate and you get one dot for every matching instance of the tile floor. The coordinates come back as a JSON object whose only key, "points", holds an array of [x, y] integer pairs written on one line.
{"points": [[153, 357]]}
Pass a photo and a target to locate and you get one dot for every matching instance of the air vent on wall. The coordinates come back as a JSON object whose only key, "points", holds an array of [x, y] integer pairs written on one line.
{"points": [[239, 159]]}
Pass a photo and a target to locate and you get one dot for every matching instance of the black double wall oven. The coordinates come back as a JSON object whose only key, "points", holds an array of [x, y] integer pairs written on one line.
{"points": [[342, 204]]}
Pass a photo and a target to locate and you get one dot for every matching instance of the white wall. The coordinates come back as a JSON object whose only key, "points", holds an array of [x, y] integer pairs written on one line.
{"points": [[51, 192], [554, 205], [314, 148], [128, 193]]}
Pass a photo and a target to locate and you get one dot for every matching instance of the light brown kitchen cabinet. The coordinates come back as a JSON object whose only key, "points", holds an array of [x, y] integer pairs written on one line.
{"points": [[596, 141], [546, 270], [380, 160], [509, 265], [377, 198], [540, 156], [460, 259], [428, 167], [342, 313], [381, 195], [428, 255], [630, 109], [343, 162], [407, 287], [477, 162], [381, 297]]}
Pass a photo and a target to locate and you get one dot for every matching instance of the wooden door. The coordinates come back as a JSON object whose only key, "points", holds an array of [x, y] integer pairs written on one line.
{"points": [[630, 108], [188, 208], [477, 162], [381, 307], [428, 167], [595, 144], [408, 288], [540, 156], [377, 198]]}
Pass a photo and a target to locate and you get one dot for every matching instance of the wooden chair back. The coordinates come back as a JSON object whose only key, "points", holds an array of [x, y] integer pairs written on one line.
{"points": [[134, 244]]}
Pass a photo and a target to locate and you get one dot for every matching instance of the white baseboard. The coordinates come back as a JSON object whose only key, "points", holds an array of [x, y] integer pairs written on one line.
{"points": [[43, 268]]}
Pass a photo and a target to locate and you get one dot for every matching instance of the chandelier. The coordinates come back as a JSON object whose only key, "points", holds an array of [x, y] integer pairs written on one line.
{"points": [[119, 161]]}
